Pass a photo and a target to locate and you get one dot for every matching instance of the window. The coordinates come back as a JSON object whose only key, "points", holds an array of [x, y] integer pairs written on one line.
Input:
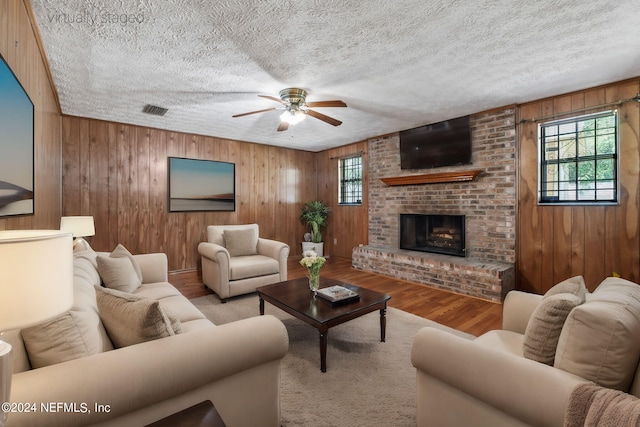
{"points": [[579, 160], [350, 181]]}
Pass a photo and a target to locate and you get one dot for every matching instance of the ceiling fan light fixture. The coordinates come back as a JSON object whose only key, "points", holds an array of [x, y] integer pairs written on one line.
{"points": [[293, 95], [293, 117], [294, 102]]}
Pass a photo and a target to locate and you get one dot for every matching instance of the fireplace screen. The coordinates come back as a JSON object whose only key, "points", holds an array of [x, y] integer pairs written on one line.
{"points": [[433, 233]]}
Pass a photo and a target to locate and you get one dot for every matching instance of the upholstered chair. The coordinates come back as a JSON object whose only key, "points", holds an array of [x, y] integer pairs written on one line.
{"points": [[236, 260]]}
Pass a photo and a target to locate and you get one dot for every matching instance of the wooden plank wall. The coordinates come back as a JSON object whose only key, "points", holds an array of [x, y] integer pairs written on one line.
{"points": [[348, 226], [557, 242], [19, 47], [118, 174]]}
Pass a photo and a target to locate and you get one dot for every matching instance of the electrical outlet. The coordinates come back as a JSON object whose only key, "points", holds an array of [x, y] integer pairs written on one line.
{"points": [[335, 241]]}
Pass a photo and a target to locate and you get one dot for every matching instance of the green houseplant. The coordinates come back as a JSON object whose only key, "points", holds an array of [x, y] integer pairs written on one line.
{"points": [[314, 215]]}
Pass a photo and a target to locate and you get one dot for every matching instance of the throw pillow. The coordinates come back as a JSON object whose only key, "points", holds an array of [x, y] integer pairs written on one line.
{"points": [[130, 319], [117, 273], [74, 334], [241, 242], [574, 285], [543, 330], [176, 325], [599, 341], [55, 341], [122, 252]]}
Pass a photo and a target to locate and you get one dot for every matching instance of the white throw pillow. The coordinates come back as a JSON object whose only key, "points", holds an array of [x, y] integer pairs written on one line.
{"points": [[599, 341], [122, 252], [241, 242], [118, 273]]}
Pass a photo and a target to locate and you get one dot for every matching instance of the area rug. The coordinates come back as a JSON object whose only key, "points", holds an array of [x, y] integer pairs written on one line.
{"points": [[367, 383]]}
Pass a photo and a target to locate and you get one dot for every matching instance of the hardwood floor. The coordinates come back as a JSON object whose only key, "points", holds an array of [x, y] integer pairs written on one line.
{"points": [[467, 314]]}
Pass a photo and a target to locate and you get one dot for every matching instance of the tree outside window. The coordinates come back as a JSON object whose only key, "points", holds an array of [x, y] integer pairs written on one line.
{"points": [[578, 160]]}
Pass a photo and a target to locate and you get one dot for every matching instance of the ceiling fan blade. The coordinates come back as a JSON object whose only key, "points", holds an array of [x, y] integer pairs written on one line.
{"points": [[334, 103], [283, 126], [254, 112], [273, 98], [324, 118]]}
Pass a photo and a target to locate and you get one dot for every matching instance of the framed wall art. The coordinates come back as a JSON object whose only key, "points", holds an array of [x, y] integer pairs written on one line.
{"points": [[16, 146], [201, 185]]}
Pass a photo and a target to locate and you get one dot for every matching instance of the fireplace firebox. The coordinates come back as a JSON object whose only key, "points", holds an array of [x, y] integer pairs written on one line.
{"points": [[442, 234]]}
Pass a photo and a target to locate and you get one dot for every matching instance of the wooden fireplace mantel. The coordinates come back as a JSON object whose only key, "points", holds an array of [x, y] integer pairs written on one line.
{"points": [[432, 178]]}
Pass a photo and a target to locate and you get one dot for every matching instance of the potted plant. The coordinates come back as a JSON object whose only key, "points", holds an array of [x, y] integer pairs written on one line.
{"points": [[314, 215]]}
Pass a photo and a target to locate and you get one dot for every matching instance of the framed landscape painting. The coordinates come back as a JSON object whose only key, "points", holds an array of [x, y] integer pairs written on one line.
{"points": [[16, 145], [201, 185]]}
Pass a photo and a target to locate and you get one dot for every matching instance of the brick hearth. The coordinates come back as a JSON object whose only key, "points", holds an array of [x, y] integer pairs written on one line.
{"points": [[488, 202], [486, 280]]}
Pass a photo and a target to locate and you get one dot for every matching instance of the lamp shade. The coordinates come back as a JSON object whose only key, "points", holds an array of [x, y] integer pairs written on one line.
{"points": [[36, 276], [79, 226]]}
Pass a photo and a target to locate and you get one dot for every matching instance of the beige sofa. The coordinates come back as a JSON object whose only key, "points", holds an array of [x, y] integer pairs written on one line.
{"points": [[236, 260], [236, 365], [528, 373]]}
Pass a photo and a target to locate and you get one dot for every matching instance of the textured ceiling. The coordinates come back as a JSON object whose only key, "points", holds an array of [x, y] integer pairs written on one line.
{"points": [[397, 64]]}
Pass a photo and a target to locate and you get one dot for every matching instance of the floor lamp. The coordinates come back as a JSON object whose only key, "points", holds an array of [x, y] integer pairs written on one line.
{"points": [[36, 284]]}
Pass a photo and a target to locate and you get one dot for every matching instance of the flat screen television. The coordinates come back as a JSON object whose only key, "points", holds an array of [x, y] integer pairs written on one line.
{"points": [[444, 143]]}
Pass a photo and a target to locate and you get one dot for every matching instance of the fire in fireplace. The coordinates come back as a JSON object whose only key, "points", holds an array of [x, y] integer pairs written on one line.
{"points": [[433, 233]]}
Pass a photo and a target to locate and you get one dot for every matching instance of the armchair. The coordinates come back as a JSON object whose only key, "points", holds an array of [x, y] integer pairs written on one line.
{"points": [[494, 379], [236, 260]]}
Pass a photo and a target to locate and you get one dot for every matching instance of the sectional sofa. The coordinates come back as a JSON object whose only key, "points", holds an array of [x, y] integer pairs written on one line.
{"points": [[130, 358]]}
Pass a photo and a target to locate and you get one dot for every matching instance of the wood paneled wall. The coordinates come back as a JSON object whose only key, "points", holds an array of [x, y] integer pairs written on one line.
{"points": [[19, 47], [557, 242], [348, 226], [118, 174]]}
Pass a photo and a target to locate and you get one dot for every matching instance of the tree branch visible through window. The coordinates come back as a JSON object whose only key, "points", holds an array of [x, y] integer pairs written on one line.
{"points": [[579, 160]]}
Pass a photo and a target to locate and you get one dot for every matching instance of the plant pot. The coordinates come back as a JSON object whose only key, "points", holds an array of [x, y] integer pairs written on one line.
{"points": [[316, 247]]}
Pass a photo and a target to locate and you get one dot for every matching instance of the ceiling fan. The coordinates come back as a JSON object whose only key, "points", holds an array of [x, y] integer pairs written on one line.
{"points": [[297, 109]]}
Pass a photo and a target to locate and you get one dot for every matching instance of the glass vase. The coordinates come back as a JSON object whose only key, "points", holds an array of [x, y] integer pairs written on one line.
{"points": [[314, 282]]}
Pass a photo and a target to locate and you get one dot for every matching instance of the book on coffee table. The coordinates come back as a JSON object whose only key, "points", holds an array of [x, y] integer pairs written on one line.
{"points": [[338, 294]]}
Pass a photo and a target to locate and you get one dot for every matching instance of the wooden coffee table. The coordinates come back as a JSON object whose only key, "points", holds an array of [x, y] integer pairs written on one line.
{"points": [[294, 297]]}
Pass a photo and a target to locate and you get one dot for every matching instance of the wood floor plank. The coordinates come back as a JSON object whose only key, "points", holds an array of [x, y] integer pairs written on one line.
{"points": [[467, 314]]}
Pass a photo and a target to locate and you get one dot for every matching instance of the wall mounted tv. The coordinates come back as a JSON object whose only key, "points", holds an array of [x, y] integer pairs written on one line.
{"points": [[444, 143]]}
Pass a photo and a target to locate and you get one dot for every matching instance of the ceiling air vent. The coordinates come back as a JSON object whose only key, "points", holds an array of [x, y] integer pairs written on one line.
{"points": [[155, 110]]}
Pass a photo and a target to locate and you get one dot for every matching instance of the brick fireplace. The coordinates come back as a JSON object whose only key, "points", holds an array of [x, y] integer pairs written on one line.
{"points": [[435, 233], [487, 203]]}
